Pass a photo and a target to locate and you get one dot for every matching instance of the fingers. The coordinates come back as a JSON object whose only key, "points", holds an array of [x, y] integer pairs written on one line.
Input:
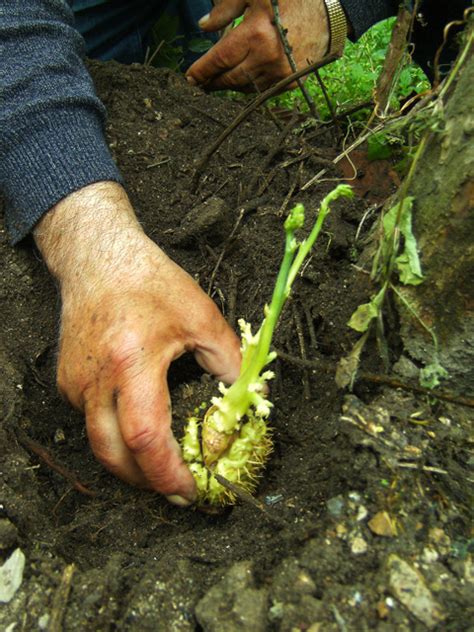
{"points": [[220, 353], [144, 419], [222, 15], [107, 442], [225, 55]]}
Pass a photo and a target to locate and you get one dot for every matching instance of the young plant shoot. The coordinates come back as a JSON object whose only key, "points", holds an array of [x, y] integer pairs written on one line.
{"points": [[233, 439]]}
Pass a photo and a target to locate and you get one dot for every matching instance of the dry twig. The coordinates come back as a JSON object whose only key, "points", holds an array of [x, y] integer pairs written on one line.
{"points": [[261, 98], [45, 456], [289, 55]]}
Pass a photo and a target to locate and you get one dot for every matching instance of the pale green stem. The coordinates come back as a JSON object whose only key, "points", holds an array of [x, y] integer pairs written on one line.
{"points": [[238, 397]]}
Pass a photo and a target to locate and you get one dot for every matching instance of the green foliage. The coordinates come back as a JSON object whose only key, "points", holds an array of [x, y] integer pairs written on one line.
{"points": [[167, 47], [365, 313], [199, 45], [378, 147], [165, 50], [432, 374], [407, 263], [351, 79]]}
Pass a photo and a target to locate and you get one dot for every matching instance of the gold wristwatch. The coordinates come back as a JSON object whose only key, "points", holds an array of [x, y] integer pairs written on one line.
{"points": [[337, 23]]}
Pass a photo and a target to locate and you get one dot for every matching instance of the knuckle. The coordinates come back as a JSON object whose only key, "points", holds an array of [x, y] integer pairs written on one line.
{"points": [[221, 58], [140, 440], [124, 351]]}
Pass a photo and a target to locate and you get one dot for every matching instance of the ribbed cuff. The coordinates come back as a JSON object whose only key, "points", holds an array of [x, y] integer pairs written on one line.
{"points": [[59, 153], [363, 15]]}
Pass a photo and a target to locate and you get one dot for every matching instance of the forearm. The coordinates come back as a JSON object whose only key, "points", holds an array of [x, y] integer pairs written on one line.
{"points": [[52, 140], [85, 236]]}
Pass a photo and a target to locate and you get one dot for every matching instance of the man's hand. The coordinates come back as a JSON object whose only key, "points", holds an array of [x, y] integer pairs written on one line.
{"points": [[128, 311], [251, 56]]}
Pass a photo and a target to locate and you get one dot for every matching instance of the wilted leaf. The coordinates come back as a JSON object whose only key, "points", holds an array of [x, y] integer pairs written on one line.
{"points": [[432, 374], [408, 262], [407, 270], [347, 367], [365, 313]]}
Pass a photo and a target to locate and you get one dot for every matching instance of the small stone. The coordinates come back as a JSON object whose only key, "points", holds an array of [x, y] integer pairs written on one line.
{"points": [[359, 545], [383, 525], [11, 575], [341, 531], [210, 219], [273, 499], [354, 496], [409, 587], [59, 436], [335, 506], [8, 534], [362, 513], [429, 555], [382, 610], [440, 539]]}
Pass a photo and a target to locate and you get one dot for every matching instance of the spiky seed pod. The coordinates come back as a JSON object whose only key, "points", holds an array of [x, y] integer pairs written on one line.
{"points": [[241, 463], [213, 442]]}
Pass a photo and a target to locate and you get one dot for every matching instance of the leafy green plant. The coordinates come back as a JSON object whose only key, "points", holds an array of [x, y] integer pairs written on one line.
{"points": [[351, 79], [233, 439]]}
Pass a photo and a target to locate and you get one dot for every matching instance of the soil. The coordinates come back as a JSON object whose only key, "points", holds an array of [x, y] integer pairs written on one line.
{"points": [[363, 515]]}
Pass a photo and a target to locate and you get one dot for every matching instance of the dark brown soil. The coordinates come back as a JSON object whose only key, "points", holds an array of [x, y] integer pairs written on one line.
{"points": [[313, 559]]}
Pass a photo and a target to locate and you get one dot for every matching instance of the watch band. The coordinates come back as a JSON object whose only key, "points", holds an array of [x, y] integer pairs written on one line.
{"points": [[337, 23]]}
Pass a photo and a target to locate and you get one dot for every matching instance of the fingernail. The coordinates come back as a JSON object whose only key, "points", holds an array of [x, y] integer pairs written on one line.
{"points": [[191, 80], [205, 18], [179, 501]]}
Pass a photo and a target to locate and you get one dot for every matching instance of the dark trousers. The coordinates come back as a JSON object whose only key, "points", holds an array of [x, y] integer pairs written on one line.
{"points": [[121, 29]]}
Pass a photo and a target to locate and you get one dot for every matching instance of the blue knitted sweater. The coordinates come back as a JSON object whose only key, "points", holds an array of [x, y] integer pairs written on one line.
{"points": [[51, 122]]}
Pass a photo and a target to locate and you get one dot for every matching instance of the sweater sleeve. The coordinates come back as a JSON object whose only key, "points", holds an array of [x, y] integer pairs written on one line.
{"points": [[363, 15], [52, 138]]}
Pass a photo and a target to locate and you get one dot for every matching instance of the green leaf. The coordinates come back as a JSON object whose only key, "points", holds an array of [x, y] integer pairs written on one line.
{"points": [[408, 262], [432, 374], [408, 270], [365, 313], [378, 148], [199, 45]]}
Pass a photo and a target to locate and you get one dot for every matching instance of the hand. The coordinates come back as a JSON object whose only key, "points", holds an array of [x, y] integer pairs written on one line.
{"points": [[127, 312], [251, 56]]}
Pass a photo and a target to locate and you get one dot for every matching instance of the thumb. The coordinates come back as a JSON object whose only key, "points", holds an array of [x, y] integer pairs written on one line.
{"points": [[222, 14], [220, 355]]}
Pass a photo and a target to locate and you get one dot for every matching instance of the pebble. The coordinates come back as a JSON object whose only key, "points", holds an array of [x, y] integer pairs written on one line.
{"points": [[335, 506], [362, 513], [409, 587], [11, 575], [383, 525], [359, 545], [440, 539], [273, 499], [429, 555], [59, 436]]}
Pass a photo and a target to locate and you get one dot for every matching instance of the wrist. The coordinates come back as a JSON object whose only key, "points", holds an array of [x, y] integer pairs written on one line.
{"points": [[86, 234], [337, 27]]}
